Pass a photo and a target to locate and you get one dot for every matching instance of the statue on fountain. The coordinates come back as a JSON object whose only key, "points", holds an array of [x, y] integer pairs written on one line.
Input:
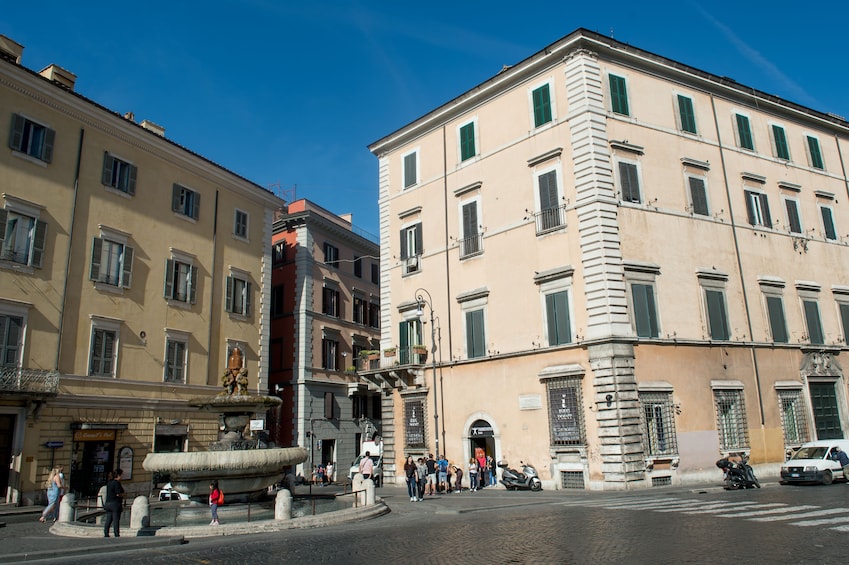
{"points": [[235, 378]]}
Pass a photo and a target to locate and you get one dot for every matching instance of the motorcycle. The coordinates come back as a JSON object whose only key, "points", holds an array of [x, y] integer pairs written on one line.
{"points": [[528, 479], [739, 474]]}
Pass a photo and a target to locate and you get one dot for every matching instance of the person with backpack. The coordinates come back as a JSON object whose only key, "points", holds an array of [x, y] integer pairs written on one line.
{"points": [[442, 474], [216, 499]]}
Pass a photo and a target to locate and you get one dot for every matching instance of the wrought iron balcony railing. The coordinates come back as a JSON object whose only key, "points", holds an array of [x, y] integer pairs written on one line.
{"points": [[13, 379], [550, 219]]}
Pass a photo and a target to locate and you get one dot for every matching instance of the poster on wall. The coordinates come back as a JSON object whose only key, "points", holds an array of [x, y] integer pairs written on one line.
{"points": [[563, 410], [414, 420]]}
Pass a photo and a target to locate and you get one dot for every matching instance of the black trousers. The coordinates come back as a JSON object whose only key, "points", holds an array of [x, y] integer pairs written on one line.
{"points": [[113, 518]]}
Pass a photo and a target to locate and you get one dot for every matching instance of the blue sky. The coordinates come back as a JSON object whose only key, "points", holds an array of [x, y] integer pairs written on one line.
{"points": [[291, 93]]}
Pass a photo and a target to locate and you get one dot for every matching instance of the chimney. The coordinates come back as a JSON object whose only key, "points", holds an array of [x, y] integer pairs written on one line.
{"points": [[157, 129], [59, 75], [11, 49]]}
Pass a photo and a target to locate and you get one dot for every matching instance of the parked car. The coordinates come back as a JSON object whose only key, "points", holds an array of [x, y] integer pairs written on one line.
{"points": [[168, 493], [812, 463]]}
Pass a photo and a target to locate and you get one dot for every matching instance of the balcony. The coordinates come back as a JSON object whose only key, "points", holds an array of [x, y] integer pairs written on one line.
{"points": [[471, 246], [28, 381], [550, 219]]}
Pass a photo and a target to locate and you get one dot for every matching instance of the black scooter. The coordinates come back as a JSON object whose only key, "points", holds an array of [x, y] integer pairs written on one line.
{"points": [[738, 475], [526, 480]]}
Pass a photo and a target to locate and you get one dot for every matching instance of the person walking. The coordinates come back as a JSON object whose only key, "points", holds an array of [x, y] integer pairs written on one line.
{"points": [[366, 466], [410, 473], [55, 490], [422, 475], [112, 505], [215, 501]]}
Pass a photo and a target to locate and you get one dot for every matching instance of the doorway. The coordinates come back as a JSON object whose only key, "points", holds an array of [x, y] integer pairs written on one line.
{"points": [[91, 466], [825, 409], [7, 433], [482, 442]]}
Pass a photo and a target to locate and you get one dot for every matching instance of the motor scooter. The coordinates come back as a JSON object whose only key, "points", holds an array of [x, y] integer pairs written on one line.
{"points": [[526, 480], [738, 475]]}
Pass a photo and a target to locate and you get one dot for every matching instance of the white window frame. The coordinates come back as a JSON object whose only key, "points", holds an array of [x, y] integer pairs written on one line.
{"points": [[757, 206], [49, 132], [417, 179], [562, 284], [641, 192], [244, 302], [180, 337], [775, 146], [474, 301], [810, 292], [550, 83], [841, 299], [644, 274], [460, 161], [741, 431], [718, 282], [773, 287], [31, 210], [737, 136], [180, 210], [171, 267], [113, 184], [413, 262], [609, 94], [103, 323], [679, 124], [538, 172], [236, 225], [478, 232], [115, 237]]}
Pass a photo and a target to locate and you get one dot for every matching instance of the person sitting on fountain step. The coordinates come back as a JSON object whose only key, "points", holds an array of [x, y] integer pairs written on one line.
{"points": [[215, 500]]}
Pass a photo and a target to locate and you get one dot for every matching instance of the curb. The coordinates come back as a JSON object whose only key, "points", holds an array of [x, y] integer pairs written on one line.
{"points": [[71, 552]]}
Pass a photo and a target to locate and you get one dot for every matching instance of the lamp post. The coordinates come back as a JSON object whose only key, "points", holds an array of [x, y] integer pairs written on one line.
{"points": [[420, 301]]}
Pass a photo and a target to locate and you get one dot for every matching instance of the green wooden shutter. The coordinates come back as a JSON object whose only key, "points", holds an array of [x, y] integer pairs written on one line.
{"points": [[717, 319], [108, 163], [744, 131], [630, 182], [475, 339], [816, 156], [16, 133], [195, 212], [193, 284], [47, 148], [645, 312], [467, 141], [844, 319], [404, 342], [170, 265], [131, 180], [777, 324], [419, 242], [750, 207], [247, 302], [828, 223], [688, 117], [618, 95], [228, 295], [765, 210], [542, 105], [175, 198], [793, 216], [38, 241], [404, 243], [698, 196], [470, 220], [409, 170], [780, 139], [4, 214], [548, 191], [96, 252], [812, 319], [557, 311], [127, 267]]}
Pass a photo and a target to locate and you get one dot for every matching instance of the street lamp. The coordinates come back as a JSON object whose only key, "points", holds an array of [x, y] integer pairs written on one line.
{"points": [[420, 302]]}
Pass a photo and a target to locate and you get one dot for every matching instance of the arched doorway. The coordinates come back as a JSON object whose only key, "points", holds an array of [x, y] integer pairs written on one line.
{"points": [[482, 442]]}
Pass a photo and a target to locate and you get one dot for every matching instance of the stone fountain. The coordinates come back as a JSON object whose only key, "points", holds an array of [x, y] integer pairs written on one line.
{"points": [[241, 465]]}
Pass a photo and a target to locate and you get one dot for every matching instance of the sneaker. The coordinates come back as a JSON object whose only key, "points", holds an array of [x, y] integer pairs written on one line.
{"points": [[215, 523]]}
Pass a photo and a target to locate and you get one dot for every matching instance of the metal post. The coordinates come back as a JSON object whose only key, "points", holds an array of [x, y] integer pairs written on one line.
{"points": [[420, 299]]}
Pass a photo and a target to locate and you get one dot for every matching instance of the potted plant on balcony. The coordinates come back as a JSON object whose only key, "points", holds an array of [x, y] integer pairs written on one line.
{"points": [[419, 349], [389, 352], [370, 354]]}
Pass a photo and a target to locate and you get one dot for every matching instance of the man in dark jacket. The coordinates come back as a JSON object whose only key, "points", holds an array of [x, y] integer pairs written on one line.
{"points": [[840, 456], [113, 503]]}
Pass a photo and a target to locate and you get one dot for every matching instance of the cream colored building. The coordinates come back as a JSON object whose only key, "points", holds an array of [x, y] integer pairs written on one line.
{"points": [[130, 268], [636, 267]]}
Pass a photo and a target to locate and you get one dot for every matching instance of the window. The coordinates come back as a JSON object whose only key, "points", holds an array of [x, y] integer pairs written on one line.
{"points": [[374, 315], [829, 231], [118, 174], [31, 138], [779, 141], [794, 422], [331, 304], [411, 172], [717, 315], [757, 208], [11, 333], [411, 247], [359, 316], [21, 238], [329, 354], [409, 334], [686, 115], [565, 413], [180, 281], [843, 313], [278, 253], [618, 95], [744, 132], [542, 105], [794, 222], [645, 310], [558, 323], [629, 183], [414, 423], [238, 296], [777, 321], [104, 347], [277, 300], [698, 196], [358, 267], [375, 273], [331, 255], [475, 334], [658, 415], [467, 141], [551, 214], [111, 262], [185, 201], [175, 361], [811, 309], [731, 420], [814, 154], [240, 224], [471, 242]]}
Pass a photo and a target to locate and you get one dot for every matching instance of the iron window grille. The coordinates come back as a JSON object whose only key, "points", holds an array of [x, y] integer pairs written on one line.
{"points": [[794, 422], [658, 415], [566, 417], [731, 420]]}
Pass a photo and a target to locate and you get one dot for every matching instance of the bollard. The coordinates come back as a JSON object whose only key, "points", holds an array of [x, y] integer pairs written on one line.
{"points": [[369, 494], [140, 513], [357, 485], [283, 505], [67, 507]]}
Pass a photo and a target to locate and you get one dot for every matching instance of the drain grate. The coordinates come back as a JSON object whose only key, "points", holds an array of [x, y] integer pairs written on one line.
{"points": [[661, 481], [572, 479]]}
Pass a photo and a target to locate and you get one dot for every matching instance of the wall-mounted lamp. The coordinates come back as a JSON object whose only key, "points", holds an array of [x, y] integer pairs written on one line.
{"points": [[609, 399]]}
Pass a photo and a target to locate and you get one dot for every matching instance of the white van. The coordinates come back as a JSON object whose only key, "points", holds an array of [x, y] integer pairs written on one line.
{"points": [[812, 463], [375, 451]]}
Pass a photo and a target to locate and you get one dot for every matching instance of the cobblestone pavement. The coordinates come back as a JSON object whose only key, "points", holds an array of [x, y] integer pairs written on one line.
{"points": [[794, 525]]}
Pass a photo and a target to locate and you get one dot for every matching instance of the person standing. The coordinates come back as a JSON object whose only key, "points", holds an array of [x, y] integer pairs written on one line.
{"points": [[366, 466], [840, 456], [112, 505], [328, 472], [493, 476], [458, 479], [214, 502], [473, 474], [442, 474], [412, 480], [431, 474], [482, 472], [421, 475], [55, 490]]}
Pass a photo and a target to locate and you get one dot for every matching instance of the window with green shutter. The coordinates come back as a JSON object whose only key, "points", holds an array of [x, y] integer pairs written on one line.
{"points": [[698, 196], [629, 181], [645, 310], [813, 322], [779, 138], [794, 221], [475, 338], [777, 323], [829, 230], [410, 169], [744, 132], [557, 314], [467, 141], [844, 320], [618, 95], [816, 155], [716, 314], [542, 105], [686, 114]]}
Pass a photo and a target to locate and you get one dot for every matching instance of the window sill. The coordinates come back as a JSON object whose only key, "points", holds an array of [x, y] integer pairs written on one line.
{"points": [[178, 303], [106, 287], [17, 267], [118, 192], [240, 317], [30, 158], [184, 217], [241, 238]]}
